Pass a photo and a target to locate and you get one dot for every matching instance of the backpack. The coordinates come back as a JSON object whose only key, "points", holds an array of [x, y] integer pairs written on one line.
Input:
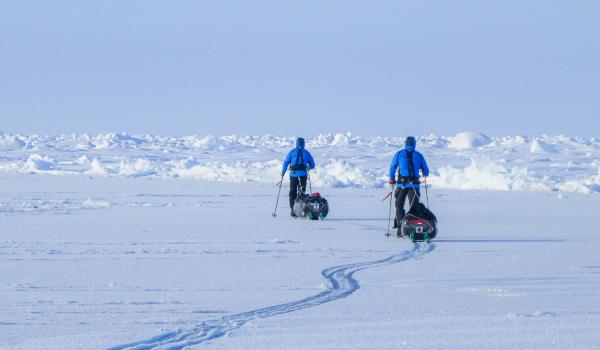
{"points": [[419, 224], [311, 206]]}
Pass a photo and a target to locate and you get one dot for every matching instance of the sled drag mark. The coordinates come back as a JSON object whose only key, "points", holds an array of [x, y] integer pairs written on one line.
{"points": [[341, 284]]}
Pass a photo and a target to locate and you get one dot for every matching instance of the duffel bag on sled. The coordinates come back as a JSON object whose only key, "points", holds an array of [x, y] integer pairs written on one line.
{"points": [[311, 206], [419, 224]]}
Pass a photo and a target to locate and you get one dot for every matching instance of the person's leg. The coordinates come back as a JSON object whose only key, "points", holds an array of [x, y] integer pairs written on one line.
{"points": [[293, 190], [400, 199]]}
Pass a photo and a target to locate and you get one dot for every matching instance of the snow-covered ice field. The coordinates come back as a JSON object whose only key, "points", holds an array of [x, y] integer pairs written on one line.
{"points": [[465, 161], [155, 243], [106, 262]]}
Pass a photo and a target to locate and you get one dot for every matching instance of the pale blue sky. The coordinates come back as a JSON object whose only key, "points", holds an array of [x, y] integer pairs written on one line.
{"points": [[300, 67]]}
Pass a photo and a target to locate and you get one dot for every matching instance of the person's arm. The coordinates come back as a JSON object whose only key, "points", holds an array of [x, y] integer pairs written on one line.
{"points": [[393, 167], [286, 163], [424, 167], [310, 161]]}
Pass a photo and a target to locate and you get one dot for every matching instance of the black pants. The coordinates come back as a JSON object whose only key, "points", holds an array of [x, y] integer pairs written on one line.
{"points": [[401, 194], [296, 182]]}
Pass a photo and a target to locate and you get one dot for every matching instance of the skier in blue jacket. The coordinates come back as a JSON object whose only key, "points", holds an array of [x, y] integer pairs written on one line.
{"points": [[408, 162], [299, 161]]}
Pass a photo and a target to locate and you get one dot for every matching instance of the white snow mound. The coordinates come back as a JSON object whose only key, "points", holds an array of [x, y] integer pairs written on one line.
{"points": [[485, 174], [39, 164], [96, 169], [340, 173], [540, 147], [469, 140], [10, 142]]}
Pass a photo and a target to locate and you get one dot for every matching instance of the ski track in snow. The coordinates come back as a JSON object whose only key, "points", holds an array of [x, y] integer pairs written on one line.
{"points": [[341, 285]]}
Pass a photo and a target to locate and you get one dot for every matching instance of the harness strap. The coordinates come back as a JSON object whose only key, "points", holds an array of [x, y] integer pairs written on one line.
{"points": [[408, 179], [411, 165], [410, 203], [299, 165]]}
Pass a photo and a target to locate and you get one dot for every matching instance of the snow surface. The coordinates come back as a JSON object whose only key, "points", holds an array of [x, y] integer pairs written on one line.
{"points": [[148, 262], [466, 161]]}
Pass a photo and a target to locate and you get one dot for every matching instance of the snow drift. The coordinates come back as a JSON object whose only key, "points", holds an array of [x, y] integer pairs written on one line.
{"points": [[485, 174], [10, 142], [39, 164], [469, 140], [540, 147], [508, 163]]}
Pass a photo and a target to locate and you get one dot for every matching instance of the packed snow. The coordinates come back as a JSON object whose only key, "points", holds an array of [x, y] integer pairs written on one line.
{"points": [[118, 241], [146, 262], [468, 160]]}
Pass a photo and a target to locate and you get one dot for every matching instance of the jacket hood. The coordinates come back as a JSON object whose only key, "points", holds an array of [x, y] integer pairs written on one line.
{"points": [[299, 142], [410, 144]]}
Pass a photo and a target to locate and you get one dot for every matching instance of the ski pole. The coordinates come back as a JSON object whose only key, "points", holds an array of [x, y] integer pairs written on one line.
{"points": [[309, 182], [386, 197], [390, 213], [278, 193]]}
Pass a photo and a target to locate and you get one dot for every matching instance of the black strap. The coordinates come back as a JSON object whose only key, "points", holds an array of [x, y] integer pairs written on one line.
{"points": [[411, 165], [301, 157], [408, 179]]}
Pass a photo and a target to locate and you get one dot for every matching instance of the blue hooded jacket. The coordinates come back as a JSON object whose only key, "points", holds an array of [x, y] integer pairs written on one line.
{"points": [[298, 157], [401, 161]]}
